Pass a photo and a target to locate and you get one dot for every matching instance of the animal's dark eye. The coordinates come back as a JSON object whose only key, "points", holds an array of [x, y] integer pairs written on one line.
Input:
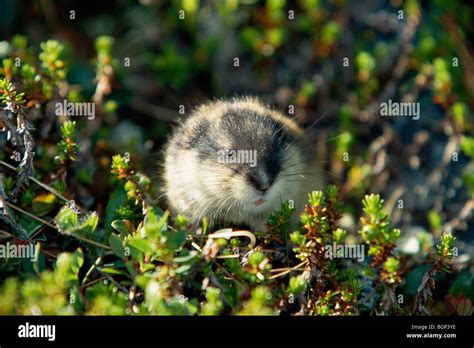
{"points": [[253, 179]]}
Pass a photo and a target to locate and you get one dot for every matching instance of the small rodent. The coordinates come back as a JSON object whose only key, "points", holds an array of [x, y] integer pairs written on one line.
{"points": [[277, 164]]}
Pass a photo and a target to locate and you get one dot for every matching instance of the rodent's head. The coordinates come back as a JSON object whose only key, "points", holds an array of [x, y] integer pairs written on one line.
{"points": [[247, 155]]}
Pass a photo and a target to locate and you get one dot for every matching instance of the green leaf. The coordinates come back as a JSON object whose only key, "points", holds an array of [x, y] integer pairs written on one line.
{"points": [[413, 277], [111, 270], [153, 226], [391, 265], [136, 254], [297, 285], [174, 240], [365, 61], [116, 245], [256, 258], [40, 264], [142, 245], [103, 44], [68, 128], [77, 261], [464, 284], [31, 226], [185, 258], [339, 235], [89, 224], [131, 267], [183, 269], [68, 266], [43, 204], [117, 199], [28, 266], [116, 264], [125, 227], [66, 219], [69, 223], [467, 146], [204, 226]]}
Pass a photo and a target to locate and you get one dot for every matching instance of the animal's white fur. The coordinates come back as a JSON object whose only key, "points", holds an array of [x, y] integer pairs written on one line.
{"points": [[198, 188]]}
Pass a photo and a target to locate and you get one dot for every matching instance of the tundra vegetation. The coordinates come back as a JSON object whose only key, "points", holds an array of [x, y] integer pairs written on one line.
{"points": [[87, 100]]}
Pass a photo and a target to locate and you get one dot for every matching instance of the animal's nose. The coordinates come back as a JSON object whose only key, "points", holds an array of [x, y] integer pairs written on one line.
{"points": [[257, 181]]}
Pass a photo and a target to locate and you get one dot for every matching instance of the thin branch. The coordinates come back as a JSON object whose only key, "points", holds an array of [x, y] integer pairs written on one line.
{"points": [[44, 222], [46, 187], [289, 270], [464, 215], [84, 239]]}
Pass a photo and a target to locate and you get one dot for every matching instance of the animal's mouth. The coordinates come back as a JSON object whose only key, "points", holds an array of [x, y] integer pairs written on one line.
{"points": [[259, 202]]}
